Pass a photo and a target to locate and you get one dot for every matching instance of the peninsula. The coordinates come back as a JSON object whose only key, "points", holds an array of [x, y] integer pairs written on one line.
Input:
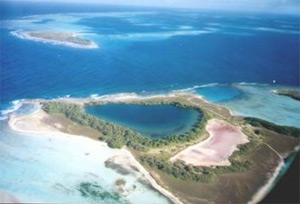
{"points": [[294, 94]]}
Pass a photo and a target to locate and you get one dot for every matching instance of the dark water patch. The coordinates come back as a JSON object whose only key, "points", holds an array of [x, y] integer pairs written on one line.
{"points": [[287, 189], [96, 192], [159, 121], [118, 168]]}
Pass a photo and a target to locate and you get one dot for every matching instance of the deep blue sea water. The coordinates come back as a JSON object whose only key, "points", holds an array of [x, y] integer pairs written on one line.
{"points": [[142, 50], [152, 121]]}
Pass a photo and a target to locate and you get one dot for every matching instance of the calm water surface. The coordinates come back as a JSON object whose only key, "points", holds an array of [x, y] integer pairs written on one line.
{"points": [[157, 121]]}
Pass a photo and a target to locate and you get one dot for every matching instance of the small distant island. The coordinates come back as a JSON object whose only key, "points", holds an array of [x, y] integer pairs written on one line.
{"points": [[55, 37], [294, 94]]}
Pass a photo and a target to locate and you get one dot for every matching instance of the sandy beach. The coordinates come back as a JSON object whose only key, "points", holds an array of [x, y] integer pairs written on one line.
{"points": [[215, 150], [34, 124]]}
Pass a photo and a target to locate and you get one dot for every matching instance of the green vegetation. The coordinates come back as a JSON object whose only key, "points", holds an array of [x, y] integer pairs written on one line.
{"points": [[194, 173], [114, 135], [60, 37], [201, 174], [117, 136], [177, 169], [285, 130]]}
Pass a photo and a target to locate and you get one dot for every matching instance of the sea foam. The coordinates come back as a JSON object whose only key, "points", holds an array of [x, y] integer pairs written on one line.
{"points": [[14, 106]]}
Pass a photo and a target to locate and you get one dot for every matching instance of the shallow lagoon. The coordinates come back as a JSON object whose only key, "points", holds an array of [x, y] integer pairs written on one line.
{"points": [[42, 168], [255, 101], [157, 121], [220, 93]]}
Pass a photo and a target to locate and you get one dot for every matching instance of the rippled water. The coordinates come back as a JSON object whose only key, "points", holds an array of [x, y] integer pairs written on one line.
{"points": [[142, 50]]}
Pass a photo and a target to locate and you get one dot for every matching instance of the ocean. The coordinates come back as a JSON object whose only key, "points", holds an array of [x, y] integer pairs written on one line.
{"points": [[142, 50], [232, 59]]}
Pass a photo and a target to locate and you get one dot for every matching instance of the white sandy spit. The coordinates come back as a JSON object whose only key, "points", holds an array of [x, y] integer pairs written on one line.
{"points": [[34, 124]]}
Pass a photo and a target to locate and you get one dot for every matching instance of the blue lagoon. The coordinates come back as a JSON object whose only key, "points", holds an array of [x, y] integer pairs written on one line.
{"points": [[154, 121]]}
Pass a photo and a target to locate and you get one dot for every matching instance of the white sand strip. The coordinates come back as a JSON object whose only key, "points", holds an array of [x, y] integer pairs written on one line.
{"points": [[33, 124]]}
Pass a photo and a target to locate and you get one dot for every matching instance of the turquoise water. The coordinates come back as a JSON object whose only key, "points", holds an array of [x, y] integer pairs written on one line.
{"points": [[254, 100], [219, 93], [52, 167], [158, 121]]}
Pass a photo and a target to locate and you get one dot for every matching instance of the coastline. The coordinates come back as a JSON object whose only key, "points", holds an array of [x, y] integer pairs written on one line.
{"points": [[259, 195], [263, 191], [117, 98], [26, 36], [127, 154]]}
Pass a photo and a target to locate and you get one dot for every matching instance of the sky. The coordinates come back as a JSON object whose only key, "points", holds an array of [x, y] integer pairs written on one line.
{"points": [[269, 6]]}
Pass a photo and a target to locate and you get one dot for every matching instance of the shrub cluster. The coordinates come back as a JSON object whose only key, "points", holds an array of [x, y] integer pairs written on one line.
{"points": [[285, 130], [115, 135], [194, 173]]}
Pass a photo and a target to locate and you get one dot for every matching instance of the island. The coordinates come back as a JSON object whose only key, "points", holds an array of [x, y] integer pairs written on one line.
{"points": [[294, 94], [57, 37], [222, 159]]}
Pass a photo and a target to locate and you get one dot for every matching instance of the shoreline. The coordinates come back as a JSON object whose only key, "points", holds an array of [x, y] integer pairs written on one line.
{"points": [[137, 95], [264, 190], [121, 97], [12, 125], [26, 36], [256, 197]]}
